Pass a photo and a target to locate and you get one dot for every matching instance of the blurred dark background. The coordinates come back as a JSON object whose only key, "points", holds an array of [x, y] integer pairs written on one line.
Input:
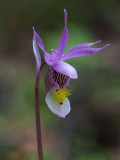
{"points": [[92, 129]]}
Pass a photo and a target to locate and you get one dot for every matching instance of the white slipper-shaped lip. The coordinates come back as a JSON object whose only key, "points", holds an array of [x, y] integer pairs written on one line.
{"points": [[60, 110]]}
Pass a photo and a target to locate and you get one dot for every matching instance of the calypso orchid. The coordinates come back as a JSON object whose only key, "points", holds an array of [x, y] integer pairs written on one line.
{"points": [[60, 73]]}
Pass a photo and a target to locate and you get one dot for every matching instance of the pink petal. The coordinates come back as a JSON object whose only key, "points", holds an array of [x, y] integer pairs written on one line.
{"points": [[64, 37], [37, 55], [81, 46], [65, 69], [55, 107], [81, 52], [47, 56], [39, 41]]}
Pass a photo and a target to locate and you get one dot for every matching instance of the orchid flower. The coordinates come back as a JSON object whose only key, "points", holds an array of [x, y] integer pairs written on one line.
{"points": [[60, 73]]}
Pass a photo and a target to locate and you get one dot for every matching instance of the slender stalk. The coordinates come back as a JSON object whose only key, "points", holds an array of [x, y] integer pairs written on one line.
{"points": [[37, 115], [38, 125]]}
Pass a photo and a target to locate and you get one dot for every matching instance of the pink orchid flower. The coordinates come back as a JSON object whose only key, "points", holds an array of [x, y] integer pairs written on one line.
{"points": [[60, 73]]}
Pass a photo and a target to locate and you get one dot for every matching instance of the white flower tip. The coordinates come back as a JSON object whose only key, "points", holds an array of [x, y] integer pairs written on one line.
{"points": [[105, 46], [98, 41], [65, 11], [74, 76], [33, 29], [58, 114], [61, 116], [34, 32]]}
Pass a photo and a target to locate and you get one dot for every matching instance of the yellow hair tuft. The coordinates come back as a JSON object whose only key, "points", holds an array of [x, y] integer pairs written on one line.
{"points": [[61, 94]]}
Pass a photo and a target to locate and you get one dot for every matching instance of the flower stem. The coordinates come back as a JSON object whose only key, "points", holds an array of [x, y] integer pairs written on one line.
{"points": [[37, 113], [38, 125]]}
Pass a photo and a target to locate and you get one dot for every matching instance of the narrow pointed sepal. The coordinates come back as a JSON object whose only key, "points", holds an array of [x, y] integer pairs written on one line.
{"points": [[81, 52], [37, 55], [64, 37], [47, 56], [39, 40], [81, 46]]}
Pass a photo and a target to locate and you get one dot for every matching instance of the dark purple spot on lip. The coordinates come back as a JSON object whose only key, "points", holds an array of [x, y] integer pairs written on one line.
{"points": [[61, 103], [57, 90]]}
